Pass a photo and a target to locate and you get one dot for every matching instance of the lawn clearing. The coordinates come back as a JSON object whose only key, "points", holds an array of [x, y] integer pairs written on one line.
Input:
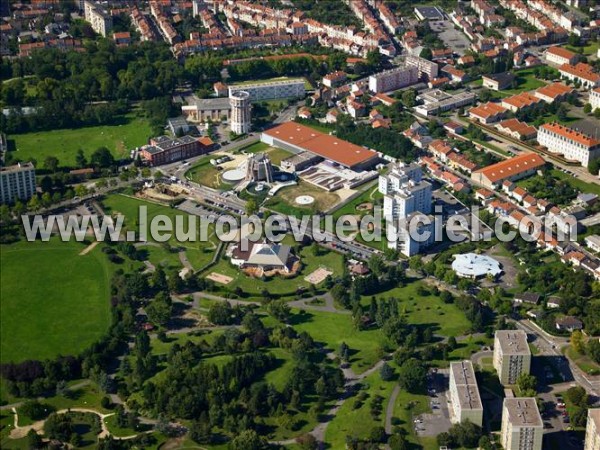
{"points": [[285, 200], [206, 174], [54, 301], [581, 185], [132, 132]]}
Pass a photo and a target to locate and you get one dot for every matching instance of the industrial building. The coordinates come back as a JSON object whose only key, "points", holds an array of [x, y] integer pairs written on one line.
{"points": [[512, 355]]}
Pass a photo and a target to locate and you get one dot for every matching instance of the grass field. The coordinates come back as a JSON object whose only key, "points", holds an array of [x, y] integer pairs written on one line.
{"points": [[583, 362], [588, 50], [206, 174], [285, 200], [63, 144], [198, 253], [333, 329], [430, 310], [54, 301], [577, 183]]}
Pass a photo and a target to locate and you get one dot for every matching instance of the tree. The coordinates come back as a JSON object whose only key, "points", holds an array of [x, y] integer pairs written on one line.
{"points": [[386, 372], [248, 440], [51, 163], [527, 385], [307, 442], [102, 158], [34, 440], [251, 207], [378, 434], [452, 343], [587, 108], [577, 396], [426, 53], [577, 341], [398, 442], [594, 165], [160, 309], [80, 159], [279, 309], [412, 376], [409, 98]]}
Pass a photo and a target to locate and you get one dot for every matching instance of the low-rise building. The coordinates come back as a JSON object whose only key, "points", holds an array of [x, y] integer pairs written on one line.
{"points": [[582, 73], [488, 113], [568, 323], [166, 149], [17, 182], [553, 92], [573, 145], [593, 242], [498, 81], [524, 100], [560, 55], [512, 356], [464, 394], [522, 427], [334, 79], [511, 169], [517, 129]]}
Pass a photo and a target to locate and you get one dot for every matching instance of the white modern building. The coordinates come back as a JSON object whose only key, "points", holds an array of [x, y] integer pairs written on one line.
{"points": [[271, 90], [572, 144], [522, 426], [512, 355], [393, 79], [464, 394], [240, 112], [592, 430], [98, 18], [428, 70], [406, 204], [17, 182]]}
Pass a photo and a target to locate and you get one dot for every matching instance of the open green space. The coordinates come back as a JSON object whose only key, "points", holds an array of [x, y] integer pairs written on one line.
{"points": [[278, 285], [581, 185], [285, 200], [355, 420], [332, 329], [132, 132], [54, 301], [584, 362], [198, 253], [590, 49], [369, 195], [406, 407], [206, 174], [526, 81], [430, 310]]}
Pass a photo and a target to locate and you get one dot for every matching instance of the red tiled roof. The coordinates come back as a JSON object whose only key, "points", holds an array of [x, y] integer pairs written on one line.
{"points": [[512, 166], [571, 134]]}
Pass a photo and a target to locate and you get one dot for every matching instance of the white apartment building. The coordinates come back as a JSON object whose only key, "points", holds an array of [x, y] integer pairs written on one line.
{"points": [[559, 56], [522, 426], [393, 79], [437, 101], [592, 430], [272, 89], [17, 182], [512, 356], [593, 242], [98, 18], [572, 144], [464, 394], [595, 98], [407, 199], [427, 69]]}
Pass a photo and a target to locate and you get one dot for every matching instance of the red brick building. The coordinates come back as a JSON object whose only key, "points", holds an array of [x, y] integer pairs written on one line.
{"points": [[165, 149]]}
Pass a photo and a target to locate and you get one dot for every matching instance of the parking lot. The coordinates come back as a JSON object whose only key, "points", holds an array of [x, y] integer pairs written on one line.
{"points": [[438, 421], [453, 38]]}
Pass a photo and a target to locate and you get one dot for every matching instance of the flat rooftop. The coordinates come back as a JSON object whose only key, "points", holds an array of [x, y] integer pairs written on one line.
{"points": [[523, 412], [513, 342], [466, 385]]}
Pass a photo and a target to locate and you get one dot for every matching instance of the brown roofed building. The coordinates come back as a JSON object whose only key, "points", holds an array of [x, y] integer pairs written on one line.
{"points": [[517, 129], [487, 113], [511, 169]]}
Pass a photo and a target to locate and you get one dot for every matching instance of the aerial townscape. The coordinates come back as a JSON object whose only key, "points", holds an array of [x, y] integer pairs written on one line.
{"points": [[300, 224]]}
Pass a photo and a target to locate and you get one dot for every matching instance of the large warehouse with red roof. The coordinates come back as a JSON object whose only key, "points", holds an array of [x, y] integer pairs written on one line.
{"points": [[297, 138]]}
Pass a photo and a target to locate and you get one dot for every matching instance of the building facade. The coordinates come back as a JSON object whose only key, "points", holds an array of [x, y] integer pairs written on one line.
{"points": [[240, 112], [393, 79], [98, 18], [17, 182], [595, 99], [512, 356], [572, 144], [559, 56], [165, 149], [522, 426], [464, 394], [592, 430], [271, 90]]}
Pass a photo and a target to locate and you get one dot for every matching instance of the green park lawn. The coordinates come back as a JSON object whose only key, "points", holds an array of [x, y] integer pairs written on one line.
{"points": [[206, 174], [332, 329], [581, 185], [54, 301], [284, 201], [63, 144], [277, 284], [198, 253], [588, 50], [351, 421], [430, 310]]}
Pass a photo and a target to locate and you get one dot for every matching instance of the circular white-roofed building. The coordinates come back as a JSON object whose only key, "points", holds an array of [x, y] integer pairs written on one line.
{"points": [[471, 265]]}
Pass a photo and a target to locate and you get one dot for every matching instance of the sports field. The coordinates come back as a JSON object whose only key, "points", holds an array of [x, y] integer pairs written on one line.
{"points": [[63, 144], [54, 301]]}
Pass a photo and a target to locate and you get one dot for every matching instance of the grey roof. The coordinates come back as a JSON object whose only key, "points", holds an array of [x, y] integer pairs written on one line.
{"points": [[466, 385], [267, 254], [523, 412], [502, 78], [513, 342], [213, 104]]}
